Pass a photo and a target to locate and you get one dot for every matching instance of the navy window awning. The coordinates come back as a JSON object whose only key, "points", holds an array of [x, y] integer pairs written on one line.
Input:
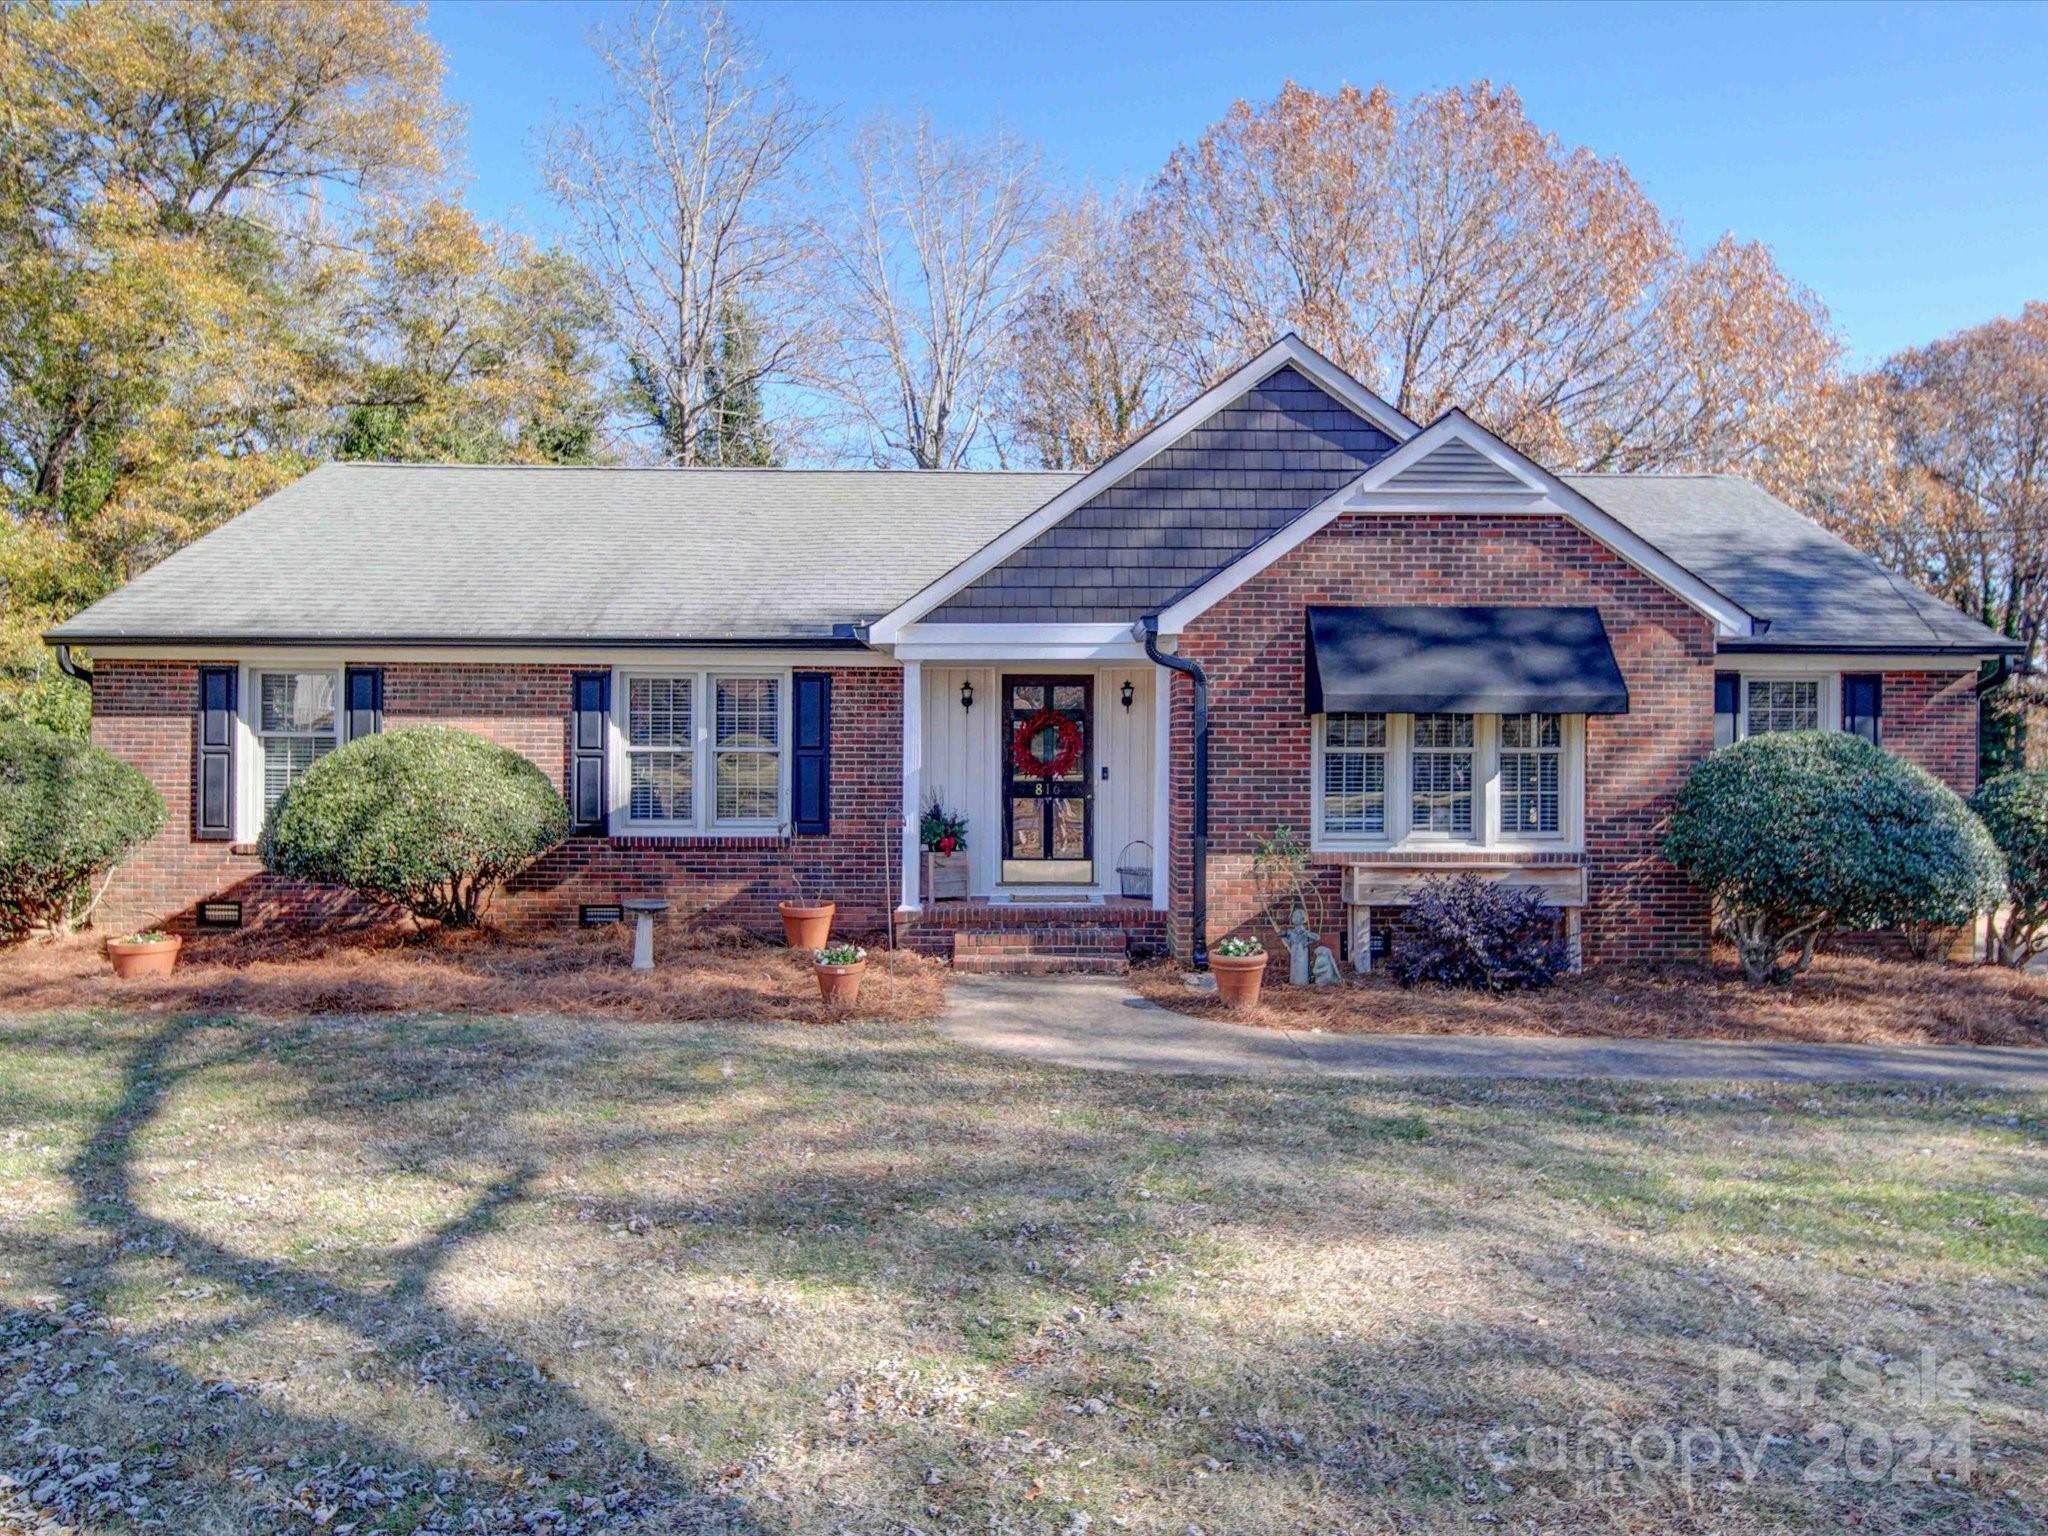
{"points": [[1483, 661]]}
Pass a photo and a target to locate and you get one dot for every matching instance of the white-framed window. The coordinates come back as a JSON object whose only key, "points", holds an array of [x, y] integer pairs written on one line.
{"points": [[661, 749], [747, 748], [295, 715], [1392, 781], [699, 751], [1354, 774], [1781, 704], [1531, 775], [1440, 774]]}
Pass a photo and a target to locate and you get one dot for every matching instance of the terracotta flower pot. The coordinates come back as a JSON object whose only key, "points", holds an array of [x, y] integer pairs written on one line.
{"points": [[839, 985], [132, 959], [1238, 978], [806, 924]]}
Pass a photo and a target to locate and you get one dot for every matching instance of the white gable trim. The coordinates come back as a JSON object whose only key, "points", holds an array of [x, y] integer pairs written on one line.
{"points": [[1289, 351], [1539, 492]]}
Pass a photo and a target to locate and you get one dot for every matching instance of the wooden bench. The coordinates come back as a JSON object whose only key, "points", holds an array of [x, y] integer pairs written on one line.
{"points": [[1394, 885]]}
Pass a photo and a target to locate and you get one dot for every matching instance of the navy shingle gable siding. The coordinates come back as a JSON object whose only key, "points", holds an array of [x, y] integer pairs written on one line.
{"points": [[1165, 528]]}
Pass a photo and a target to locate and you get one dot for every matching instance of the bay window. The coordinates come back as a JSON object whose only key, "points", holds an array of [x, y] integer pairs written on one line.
{"points": [[1355, 773], [702, 751], [1387, 781], [1531, 764], [1440, 774]]}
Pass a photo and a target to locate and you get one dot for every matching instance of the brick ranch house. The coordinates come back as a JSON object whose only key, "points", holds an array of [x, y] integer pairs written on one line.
{"points": [[1286, 604]]}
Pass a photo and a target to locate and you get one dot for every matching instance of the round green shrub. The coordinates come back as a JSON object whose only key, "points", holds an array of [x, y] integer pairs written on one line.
{"points": [[1800, 834], [2014, 806], [69, 812], [428, 817]]}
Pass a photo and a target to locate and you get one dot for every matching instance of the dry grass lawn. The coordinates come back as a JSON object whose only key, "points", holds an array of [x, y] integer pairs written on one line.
{"points": [[1844, 997], [483, 1273], [711, 974]]}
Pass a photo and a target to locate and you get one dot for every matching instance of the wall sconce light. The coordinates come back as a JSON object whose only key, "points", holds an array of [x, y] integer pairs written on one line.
{"points": [[1129, 694], [967, 694]]}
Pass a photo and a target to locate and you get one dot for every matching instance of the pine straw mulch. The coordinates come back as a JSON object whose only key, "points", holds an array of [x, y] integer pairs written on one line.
{"points": [[711, 974], [1844, 997]]}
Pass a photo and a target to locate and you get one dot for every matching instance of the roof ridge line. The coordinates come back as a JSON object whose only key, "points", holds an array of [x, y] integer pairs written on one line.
{"points": [[671, 469]]}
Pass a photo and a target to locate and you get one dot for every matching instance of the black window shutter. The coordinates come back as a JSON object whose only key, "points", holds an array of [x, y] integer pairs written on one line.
{"points": [[214, 797], [1727, 706], [811, 767], [365, 687], [1727, 693], [1862, 704], [590, 707]]}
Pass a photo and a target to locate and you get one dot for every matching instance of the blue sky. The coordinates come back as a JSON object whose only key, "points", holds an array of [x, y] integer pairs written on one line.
{"points": [[1890, 155]]}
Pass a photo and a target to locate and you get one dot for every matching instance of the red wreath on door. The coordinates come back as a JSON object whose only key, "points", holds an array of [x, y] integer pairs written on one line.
{"points": [[1066, 752]]}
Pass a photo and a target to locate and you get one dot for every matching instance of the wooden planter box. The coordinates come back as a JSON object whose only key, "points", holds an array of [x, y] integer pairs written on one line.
{"points": [[945, 877]]}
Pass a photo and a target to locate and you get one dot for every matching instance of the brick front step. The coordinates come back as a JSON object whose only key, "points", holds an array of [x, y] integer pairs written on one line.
{"points": [[934, 928], [1042, 952]]}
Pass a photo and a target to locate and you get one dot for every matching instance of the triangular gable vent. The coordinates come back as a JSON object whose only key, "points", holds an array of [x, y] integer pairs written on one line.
{"points": [[1455, 466]]}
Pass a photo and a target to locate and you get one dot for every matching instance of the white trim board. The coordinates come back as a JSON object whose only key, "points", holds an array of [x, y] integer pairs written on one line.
{"points": [[369, 653], [1808, 663], [1289, 351], [1543, 495]]}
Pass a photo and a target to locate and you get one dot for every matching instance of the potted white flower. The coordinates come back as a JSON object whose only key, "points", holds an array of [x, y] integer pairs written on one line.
{"points": [[839, 968], [1239, 965], [151, 953]]}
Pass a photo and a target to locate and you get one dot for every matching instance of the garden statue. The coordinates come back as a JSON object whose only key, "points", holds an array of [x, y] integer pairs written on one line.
{"points": [[1324, 967], [1299, 939]]}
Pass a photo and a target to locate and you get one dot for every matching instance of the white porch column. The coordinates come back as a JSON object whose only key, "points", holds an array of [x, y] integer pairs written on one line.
{"points": [[913, 777], [1162, 787]]}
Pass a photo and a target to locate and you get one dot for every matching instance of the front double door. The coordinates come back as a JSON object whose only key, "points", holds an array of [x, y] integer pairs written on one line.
{"points": [[1048, 761]]}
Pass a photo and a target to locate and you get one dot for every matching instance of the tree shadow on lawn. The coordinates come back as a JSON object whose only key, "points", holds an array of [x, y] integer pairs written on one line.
{"points": [[586, 1469], [1051, 1240]]}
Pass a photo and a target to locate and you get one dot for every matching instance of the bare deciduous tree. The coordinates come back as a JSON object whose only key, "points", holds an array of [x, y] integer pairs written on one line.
{"points": [[936, 242], [683, 188], [1448, 252], [1091, 369], [1968, 421]]}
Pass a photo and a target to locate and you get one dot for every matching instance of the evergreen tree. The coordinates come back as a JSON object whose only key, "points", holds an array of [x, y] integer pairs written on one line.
{"points": [[736, 432]]}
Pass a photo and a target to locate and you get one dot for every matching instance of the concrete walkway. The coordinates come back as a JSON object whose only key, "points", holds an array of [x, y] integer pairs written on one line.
{"points": [[1098, 1022]]}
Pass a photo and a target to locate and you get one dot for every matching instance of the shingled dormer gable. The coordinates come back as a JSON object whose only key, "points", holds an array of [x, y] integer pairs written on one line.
{"points": [[1227, 483]]}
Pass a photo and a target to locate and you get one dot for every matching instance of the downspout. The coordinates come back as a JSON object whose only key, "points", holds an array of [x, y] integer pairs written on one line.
{"points": [[72, 669], [1149, 629]]}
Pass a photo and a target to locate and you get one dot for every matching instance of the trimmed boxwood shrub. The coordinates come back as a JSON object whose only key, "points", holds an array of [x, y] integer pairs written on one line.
{"points": [[1804, 833], [2014, 807], [69, 812], [428, 817], [1464, 931]]}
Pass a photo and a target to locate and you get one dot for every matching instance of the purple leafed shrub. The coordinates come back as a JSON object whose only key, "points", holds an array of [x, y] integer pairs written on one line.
{"points": [[1463, 931]]}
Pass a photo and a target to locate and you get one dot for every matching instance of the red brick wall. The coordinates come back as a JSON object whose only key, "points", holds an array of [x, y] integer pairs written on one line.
{"points": [[1930, 718], [144, 713], [1261, 751]]}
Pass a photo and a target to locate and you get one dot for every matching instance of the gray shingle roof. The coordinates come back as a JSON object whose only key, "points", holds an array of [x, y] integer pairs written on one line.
{"points": [[1818, 591], [475, 553]]}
